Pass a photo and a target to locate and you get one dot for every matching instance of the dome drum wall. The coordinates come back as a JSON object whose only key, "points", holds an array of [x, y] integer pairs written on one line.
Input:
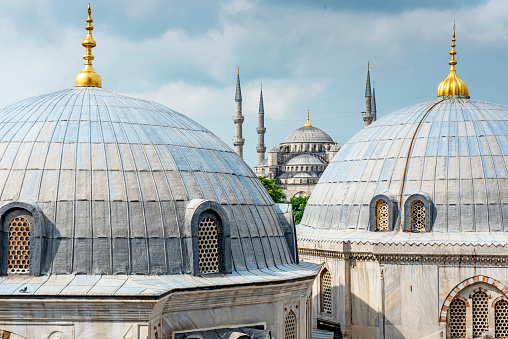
{"points": [[112, 177], [458, 159]]}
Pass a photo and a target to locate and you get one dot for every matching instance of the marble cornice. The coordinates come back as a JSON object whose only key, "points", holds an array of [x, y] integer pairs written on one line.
{"points": [[394, 257]]}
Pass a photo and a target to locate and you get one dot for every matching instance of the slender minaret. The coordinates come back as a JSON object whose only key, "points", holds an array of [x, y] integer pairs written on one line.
{"points": [[373, 107], [261, 129], [238, 141], [368, 117]]}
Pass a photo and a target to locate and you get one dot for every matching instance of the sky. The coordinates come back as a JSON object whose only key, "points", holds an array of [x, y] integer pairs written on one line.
{"points": [[308, 54]]}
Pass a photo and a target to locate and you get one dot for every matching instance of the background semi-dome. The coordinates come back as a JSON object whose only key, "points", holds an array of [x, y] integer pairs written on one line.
{"points": [[113, 176], [457, 163], [305, 159], [308, 134]]}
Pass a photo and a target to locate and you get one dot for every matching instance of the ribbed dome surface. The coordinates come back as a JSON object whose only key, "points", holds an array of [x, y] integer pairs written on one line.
{"points": [[459, 159], [308, 134], [113, 176]]}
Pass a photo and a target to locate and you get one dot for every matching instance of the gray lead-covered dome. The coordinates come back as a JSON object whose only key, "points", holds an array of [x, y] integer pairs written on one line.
{"points": [[458, 161], [112, 176], [308, 134]]}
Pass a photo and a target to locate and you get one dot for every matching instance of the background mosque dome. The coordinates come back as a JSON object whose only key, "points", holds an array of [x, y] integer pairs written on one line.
{"points": [[308, 134], [451, 153], [112, 177]]}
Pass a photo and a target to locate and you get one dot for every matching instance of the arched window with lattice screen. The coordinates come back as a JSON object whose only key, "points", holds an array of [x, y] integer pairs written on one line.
{"points": [[290, 326], [382, 216], [480, 314], [208, 244], [501, 316], [19, 245], [457, 319], [326, 291], [417, 212]]}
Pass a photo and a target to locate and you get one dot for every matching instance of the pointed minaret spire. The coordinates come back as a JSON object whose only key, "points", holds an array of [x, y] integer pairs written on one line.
{"points": [[238, 94], [261, 149], [367, 84], [368, 117], [238, 141], [373, 102]]}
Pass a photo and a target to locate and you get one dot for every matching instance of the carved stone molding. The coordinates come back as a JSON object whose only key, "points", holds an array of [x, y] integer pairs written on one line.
{"points": [[452, 259]]}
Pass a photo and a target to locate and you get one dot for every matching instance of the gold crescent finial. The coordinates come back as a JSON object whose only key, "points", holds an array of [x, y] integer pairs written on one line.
{"points": [[261, 85], [308, 124], [237, 69], [88, 77], [453, 86]]}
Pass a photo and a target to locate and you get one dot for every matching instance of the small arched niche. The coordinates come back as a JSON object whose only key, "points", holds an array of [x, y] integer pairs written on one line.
{"points": [[383, 212], [418, 212], [207, 226], [22, 238]]}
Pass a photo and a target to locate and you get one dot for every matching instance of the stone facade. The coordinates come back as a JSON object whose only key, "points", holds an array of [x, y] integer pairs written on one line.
{"points": [[404, 291]]}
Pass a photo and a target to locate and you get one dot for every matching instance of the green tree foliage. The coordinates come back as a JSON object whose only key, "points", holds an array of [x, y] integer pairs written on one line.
{"points": [[273, 189], [298, 207]]}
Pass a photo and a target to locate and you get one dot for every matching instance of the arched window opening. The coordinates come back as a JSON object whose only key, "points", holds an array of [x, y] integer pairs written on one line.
{"points": [[501, 316], [417, 216], [19, 245], [326, 292], [290, 326], [457, 318], [480, 314], [382, 216], [208, 244]]}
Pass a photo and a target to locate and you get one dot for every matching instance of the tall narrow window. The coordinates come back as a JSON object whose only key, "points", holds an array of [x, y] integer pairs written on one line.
{"points": [[417, 216], [457, 319], [326, 292], [19, 245], [480, 314], [382, 216], [501, 315], [208, 243], [290, 326]]}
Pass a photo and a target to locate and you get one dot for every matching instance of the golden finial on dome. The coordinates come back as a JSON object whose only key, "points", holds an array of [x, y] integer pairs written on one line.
{"points": [[452, 86], [88, 77], [308, 124]]}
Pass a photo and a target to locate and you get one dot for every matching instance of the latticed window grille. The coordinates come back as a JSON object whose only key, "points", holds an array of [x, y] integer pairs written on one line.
{"points": [[326, 292], [208, 243], [480, 314], [417, 216], [19, 245], [382, 217], [457, 318], [290, 326], [501, 316]]}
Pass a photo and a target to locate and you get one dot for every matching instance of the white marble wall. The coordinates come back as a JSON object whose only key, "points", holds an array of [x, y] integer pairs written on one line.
{"points": [[267, 305], [406, 297]]}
